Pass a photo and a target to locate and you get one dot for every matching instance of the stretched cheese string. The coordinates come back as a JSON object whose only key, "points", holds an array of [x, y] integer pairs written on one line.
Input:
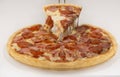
{"points": [[59, 1]]}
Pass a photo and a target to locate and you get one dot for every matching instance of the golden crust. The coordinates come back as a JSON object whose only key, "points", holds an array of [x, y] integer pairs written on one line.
{"points": [[81, 63]]}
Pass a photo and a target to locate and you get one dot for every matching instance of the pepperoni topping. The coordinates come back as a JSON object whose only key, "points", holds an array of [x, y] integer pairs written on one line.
{"points": [[71, 46], [17, 39], [39, 33], [94, 41], [49, 21], [96, 35], [70, 37], [69, 11], [44, 38], [82, 29], [47, 41], [96, 49], [23, 44], [83, 48], [66, 11], [25, 51], [27, 34], [35, 28], [66, 23], [87, 42], [36, 54], [52, 46], [40, 45], [36, 40], [52, 8], [105, 45], [83, 55]]}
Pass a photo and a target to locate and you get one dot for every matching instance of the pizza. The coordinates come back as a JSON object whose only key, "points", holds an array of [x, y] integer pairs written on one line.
{"points": [[85, 45]]}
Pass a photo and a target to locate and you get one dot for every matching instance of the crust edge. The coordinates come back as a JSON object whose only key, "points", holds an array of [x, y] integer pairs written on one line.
{"points": [[76, 6]]}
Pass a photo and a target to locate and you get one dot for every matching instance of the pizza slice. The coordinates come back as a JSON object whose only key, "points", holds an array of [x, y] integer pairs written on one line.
{"points": [[61, 19]]}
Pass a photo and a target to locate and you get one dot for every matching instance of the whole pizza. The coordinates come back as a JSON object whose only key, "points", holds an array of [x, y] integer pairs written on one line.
{"points": [[61, 43]]}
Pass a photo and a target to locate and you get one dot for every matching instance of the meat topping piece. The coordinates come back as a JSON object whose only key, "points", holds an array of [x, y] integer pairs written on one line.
{"points": [[26, 33]]}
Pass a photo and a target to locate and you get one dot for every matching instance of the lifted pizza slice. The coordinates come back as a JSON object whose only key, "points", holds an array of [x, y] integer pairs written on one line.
{"points": [[61, 19]]}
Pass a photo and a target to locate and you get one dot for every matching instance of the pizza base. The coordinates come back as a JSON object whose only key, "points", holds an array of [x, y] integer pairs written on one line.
{"points": [[80, 63]]}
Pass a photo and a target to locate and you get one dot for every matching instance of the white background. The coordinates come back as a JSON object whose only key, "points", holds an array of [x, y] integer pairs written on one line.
{"points": [[15, 14]]}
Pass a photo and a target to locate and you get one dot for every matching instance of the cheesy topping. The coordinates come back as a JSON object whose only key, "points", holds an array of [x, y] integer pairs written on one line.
{"points": [[15, 46], [29, 41], [61, 13]]}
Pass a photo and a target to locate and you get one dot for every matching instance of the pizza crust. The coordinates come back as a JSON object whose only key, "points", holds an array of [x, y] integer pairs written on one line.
{"points": [[80, 63], [45, 7]]}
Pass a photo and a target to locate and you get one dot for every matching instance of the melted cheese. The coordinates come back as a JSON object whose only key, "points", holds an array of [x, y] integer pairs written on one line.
{"points": [[88, 31], [69, 58], [15, 46], [42, 58], [29, 41], [73, 32], [20, 34], [55, 58], [51, 57], [57, 18], [52, 13], [35, 32], [47, 54]]}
